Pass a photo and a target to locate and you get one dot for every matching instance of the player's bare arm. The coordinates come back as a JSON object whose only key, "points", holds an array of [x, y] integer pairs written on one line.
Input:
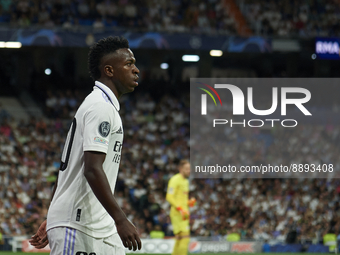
{"points": [[40, 240], [99, 184]]}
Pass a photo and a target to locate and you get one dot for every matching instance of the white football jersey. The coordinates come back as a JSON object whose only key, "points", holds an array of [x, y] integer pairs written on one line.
{"points": [[97, 126]]}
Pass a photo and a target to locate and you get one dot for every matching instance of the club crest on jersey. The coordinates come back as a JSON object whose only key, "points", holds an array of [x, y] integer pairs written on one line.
{"points": [[104, 128]]}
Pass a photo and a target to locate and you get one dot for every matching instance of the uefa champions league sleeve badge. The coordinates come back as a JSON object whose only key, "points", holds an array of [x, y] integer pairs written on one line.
{"points": [[104, 128]]}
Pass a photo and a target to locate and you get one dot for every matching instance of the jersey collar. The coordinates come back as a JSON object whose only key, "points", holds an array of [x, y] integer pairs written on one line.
{"points": [[108, 93]]}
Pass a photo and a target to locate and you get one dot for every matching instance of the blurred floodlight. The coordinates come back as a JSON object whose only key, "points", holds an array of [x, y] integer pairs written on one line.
{"points": [[190, 58], [164, 66], [313, 56], [10, 45], [13, 45], [48, 71], [216, 53]]}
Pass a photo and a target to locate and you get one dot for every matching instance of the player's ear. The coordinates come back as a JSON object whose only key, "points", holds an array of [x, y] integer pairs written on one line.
{"points": [[108, 70]]}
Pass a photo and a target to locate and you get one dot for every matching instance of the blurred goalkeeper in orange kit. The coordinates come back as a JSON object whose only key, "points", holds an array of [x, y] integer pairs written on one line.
{"points": [[178, 196]]}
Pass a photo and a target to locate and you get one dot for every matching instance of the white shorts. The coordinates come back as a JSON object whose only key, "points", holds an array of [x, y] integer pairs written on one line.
{"points": [[69, 241]]}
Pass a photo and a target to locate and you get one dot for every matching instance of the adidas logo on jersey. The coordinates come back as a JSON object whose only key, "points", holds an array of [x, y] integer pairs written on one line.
{"points": [[120, 131]]}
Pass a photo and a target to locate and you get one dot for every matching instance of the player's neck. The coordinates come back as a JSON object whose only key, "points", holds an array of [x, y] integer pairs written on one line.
{"points": [[183, 175], [111, 86]]}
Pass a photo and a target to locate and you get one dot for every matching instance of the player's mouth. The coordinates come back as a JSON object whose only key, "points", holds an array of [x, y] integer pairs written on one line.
{"points": [[136, 81]]}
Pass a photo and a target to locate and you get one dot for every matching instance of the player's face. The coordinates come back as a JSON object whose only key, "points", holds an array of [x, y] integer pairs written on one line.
{"points": [[185, 170], [125, 71]]}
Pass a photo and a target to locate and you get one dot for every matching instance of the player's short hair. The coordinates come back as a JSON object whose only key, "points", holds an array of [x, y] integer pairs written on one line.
{"points": [[182, 162], [102, 48]]}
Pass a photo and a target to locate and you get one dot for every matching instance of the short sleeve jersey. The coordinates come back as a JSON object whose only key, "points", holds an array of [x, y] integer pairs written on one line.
{"points": [[97, 126], [178, 187]]}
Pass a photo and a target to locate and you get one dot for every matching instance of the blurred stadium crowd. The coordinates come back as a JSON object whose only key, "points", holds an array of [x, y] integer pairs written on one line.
{"points": [[175, 16], [292, 18], [264, 17], [156, 137]]}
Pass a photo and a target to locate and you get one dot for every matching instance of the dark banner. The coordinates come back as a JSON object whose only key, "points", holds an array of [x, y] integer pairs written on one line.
{"points": [[327, 48], [311, 248], [149, 40]]}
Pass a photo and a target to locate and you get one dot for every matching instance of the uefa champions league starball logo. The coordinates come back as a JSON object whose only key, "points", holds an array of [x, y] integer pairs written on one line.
{"points": [[104, 128]]}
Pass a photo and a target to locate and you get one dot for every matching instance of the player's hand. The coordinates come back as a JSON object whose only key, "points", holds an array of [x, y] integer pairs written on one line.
{"points": [[129, 235], [184, 213], [192, 202], [39, 240]]}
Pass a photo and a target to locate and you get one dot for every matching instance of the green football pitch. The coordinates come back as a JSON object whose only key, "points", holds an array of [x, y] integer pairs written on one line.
{"points": [[29, 253]]}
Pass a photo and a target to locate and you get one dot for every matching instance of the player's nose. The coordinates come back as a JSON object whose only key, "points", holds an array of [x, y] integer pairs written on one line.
{"points": [[136, 70]]}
